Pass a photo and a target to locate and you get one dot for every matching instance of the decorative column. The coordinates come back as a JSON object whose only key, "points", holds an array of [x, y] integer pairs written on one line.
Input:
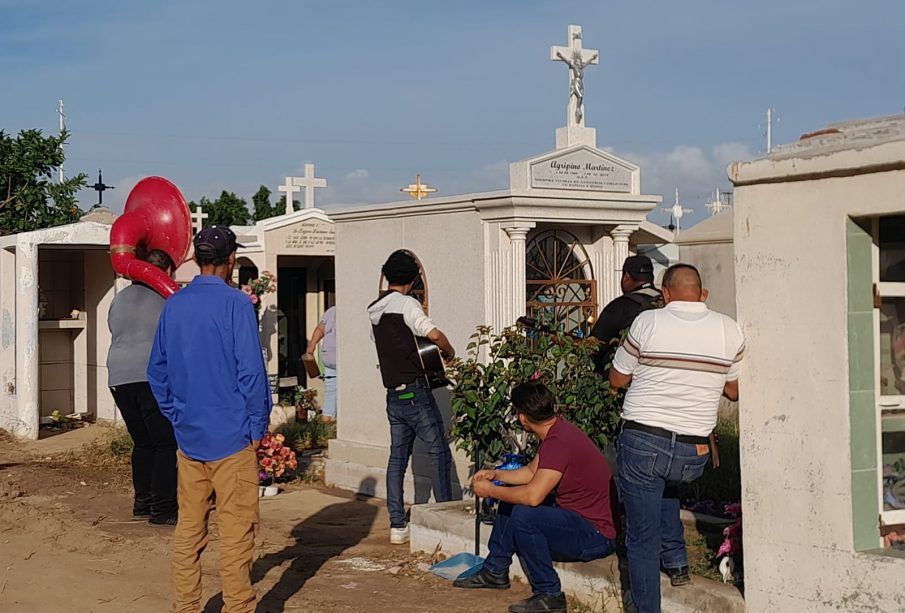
{"points": [[620, 236], [518, 234], [27, 364]]}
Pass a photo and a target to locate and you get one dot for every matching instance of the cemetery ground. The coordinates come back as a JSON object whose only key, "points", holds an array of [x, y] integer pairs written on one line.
{"points": [[68, 543]]}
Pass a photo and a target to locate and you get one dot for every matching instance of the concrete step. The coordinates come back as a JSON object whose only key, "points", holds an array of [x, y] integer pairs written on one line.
{"points": [[597, 584]]}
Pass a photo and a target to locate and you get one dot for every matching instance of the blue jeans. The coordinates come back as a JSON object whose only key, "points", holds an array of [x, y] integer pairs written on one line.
{"points": [[329, 407], [650, 469], [540, 535], [411, 417]]}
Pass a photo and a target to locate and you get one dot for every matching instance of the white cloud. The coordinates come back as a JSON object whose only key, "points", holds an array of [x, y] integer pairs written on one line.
{"points": [[697, 173]]}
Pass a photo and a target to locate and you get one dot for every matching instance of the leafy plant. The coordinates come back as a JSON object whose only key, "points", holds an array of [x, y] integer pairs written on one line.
{"points": [[304, 435], [30, 198], [494, 363]]}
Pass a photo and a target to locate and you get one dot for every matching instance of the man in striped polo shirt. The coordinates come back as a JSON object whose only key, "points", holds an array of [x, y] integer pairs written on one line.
{"points": [[679, 360]]}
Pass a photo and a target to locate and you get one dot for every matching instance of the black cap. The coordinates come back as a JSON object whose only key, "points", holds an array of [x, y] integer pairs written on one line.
{"points": [[215, 242], [639, 267]]}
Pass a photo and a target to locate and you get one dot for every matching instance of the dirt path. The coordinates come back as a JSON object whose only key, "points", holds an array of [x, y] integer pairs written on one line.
{"points": [[68, 545]]}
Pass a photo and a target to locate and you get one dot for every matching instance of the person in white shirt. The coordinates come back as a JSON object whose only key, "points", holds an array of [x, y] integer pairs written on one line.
{"points": [[396, 319], [679, 360]]}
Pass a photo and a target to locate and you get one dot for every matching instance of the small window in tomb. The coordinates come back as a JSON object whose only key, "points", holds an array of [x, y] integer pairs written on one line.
{"points": [[889, 342], [561, 289], [419, 288], [247, 271]]}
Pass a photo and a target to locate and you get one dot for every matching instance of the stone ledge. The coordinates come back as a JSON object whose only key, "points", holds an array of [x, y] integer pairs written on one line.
{"points": [[595, 583]]}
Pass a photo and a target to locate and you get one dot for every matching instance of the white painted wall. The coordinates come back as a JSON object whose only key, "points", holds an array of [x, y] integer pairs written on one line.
{"points": [[456, 295], [790, 263]]}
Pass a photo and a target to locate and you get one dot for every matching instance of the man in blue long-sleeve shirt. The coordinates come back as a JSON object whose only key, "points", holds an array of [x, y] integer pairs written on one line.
{"points": [[207, 374]]}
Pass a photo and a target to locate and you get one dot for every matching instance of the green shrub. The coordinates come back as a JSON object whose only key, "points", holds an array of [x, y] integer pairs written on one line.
{"points": [[482, 414], [303, 435]]}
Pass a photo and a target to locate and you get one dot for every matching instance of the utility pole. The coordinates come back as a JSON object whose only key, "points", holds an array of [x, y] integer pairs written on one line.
{"points": [[770, 129], [62, 127]]}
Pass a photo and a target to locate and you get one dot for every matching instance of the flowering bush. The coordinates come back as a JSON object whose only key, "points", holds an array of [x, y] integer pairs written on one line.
{"points": [[732, 541], [265, 284], [274, 458]]}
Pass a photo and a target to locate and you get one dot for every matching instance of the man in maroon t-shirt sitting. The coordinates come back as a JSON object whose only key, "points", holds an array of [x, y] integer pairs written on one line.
{"points": [[578, 526]]}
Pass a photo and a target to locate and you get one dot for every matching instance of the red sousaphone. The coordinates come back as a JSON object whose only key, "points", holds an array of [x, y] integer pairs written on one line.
{"points": [[155, 217]]}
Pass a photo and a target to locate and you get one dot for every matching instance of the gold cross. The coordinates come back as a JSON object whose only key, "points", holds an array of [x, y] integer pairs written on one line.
{"points": [[418, 190]]}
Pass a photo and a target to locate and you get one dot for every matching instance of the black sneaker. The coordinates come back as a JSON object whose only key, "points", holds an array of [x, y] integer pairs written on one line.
{"points": [[484, 579], [165, 521], [141, 513], [678, 576], [541, 603]]}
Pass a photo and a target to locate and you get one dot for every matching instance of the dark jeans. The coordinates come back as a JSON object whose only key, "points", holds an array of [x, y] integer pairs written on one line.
{"points": [[651, 468], [540, 535], [154, 450], [410, 418]]}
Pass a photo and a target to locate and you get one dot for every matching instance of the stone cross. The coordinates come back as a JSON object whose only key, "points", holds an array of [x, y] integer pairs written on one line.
{"points": [[576, 58], [289, 188], [310, 183], [198, 218]]}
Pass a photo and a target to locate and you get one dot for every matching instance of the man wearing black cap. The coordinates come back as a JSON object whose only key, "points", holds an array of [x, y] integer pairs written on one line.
{"points": [[207, 373], [638, 294], [396, 319]]}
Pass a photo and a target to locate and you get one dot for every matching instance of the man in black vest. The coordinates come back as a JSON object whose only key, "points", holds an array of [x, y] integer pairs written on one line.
{"points": [[638, 294], [396, 319]]}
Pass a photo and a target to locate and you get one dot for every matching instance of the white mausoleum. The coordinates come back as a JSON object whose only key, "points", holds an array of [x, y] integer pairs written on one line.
{"points": [[820, 277], [550, 246]]}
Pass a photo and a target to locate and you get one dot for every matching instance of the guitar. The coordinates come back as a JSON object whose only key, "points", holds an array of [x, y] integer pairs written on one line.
{"points": [[431, 362]]}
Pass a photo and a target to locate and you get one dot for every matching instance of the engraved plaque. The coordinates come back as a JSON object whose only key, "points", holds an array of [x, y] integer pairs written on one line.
{"points": [[581, 170]]}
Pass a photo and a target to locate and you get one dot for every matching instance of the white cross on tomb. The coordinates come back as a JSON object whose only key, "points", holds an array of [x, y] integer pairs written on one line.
{"points": [[576, 58], [309, 183], [198, 218], [289, 188]]}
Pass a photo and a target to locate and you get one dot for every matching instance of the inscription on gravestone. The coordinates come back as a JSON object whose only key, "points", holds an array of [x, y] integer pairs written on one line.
{"points": [[581, 170], [311, 238]]}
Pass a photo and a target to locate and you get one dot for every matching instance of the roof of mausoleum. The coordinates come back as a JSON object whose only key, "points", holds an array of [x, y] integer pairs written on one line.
{"points": [[840, 149], [716, 229], [74, 234]]}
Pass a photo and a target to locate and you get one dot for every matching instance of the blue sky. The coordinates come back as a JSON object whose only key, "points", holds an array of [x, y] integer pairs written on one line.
{"points": [[230, 95]]}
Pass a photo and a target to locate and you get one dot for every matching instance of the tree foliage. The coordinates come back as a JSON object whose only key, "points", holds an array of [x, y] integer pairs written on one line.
{"points": [[264, 209], [495, 363], [29, 197], [227, 210]]}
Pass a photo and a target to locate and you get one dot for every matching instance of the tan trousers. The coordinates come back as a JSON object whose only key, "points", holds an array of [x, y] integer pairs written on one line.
{"points": [[234, 480]]}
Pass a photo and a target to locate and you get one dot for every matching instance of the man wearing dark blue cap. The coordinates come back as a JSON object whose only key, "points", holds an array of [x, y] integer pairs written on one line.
{"points": [[207, 374]]}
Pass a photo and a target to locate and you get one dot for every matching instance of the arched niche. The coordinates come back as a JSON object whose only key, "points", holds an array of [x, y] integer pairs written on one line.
{"points": [[561, 288], [419, 288], [247, 270]]}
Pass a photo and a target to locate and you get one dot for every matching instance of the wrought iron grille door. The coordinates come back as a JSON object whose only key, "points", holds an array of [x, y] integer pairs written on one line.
{"points": [[561, 289]]}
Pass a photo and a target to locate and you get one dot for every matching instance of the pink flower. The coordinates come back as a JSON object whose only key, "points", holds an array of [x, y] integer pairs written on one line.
{"points": [[734, 509], [535, 376]]}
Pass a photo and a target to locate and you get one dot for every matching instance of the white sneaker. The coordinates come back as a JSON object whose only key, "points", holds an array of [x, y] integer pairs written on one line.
{"points": [[399, 536]]}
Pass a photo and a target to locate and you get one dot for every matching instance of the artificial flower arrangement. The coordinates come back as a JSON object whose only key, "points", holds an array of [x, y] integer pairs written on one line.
{"points": [[274, 458], [265, 284]]}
